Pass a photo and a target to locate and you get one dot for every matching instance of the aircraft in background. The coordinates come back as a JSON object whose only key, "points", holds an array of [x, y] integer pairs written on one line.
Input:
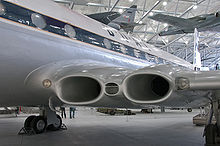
{"points": [[50, 56], [118, 21], [206, 22]]}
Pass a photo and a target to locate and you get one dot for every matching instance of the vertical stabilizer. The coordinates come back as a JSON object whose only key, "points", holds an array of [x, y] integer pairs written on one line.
{"points": [[196, 55], [127, 16]]}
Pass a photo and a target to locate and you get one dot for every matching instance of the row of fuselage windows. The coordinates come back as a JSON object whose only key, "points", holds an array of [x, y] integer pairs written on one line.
{"points": [[30, 18]]}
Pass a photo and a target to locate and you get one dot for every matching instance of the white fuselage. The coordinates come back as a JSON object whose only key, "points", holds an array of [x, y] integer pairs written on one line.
{"points": [[24, 48]]}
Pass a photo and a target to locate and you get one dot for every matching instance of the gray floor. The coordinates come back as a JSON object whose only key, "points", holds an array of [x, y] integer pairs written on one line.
{"points": [[93, 129]]}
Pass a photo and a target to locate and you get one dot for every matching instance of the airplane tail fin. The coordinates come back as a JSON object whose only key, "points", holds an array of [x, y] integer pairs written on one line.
{"points": [[196, 55], [127, 16]]}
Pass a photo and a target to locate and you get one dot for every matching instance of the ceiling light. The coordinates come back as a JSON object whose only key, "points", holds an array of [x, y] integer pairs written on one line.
{"points": [[120, 10], [164, 3], [195, 7], [151, 13], [165, 24], [131, 0]]}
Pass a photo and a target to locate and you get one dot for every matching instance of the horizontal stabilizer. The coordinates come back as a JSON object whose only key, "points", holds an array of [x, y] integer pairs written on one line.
{"points": [[105, 17]]}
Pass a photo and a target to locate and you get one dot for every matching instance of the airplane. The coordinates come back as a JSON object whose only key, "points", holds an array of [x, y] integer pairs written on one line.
{"points": [[118, 21], [206, 22], [52, 56]]}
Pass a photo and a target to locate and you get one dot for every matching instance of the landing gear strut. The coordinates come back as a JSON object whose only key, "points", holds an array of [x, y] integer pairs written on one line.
{"points": [[47, 119], [212, 131]]}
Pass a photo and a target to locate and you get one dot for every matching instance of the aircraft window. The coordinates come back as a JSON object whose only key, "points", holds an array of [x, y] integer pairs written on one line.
{"points": [[156, 60], [2, 9], [107, 43], [137, 53], [161, 61], [70, 31], [38, 20], [147, 56], [123, 49]]}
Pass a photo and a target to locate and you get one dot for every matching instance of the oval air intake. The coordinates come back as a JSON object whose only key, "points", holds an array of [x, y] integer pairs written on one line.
{"points": [[79, 90], [146, 88]]}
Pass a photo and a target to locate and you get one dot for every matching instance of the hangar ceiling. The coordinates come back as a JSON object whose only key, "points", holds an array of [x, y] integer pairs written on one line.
{"points": [[179, 45]]}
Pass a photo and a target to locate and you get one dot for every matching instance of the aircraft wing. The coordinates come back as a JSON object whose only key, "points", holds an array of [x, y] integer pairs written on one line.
{"points": [[175, 21], [171, 86], [80, 82], [173, 30], [96, 84]]}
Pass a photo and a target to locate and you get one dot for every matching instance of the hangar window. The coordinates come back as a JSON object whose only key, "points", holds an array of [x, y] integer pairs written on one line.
{"points": [[70, 31], [38, 20], [2, 9]]}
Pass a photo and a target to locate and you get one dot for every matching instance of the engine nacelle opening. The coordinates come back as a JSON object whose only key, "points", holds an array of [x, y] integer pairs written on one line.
{"points": [[147, 88], [79, 90]]}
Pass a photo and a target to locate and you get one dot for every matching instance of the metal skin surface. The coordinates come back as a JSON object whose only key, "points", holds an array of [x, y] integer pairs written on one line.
{"points": [[19, 61], [30, 56], [200, 89]]}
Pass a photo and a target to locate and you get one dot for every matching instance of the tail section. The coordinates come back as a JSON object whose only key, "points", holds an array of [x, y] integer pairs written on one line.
{"points": [[126, 20], [196, 55], [127, 16]]}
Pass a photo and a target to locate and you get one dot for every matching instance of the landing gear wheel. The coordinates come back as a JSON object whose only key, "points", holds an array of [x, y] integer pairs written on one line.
{"points": [[189, 110], [112, 112], [39, 124], [55, 126], [27, 123]]}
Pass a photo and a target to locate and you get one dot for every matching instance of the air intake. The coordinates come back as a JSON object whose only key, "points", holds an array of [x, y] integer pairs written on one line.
{"points": [[147, 88], [79, 90]]}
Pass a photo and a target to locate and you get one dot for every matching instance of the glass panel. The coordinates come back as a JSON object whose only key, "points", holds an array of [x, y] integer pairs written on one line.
{"points": [[2, 9], [70, 31], [38, 20], [107, 43]]}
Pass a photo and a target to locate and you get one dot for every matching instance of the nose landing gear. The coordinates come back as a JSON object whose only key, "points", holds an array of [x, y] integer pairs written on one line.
{"points": [[212, 131], [47, 119]]}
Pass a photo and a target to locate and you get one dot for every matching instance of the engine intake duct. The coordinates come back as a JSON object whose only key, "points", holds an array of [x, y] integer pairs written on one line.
{"points": [[79, 90], [147, 88]]}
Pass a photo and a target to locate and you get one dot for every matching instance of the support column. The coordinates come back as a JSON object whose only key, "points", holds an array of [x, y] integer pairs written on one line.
{"points": [[162, 109]]}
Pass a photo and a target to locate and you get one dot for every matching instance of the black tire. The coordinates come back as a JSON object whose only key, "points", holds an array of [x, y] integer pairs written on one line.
{"points": [[189, 110], [52, 127], [39, 124], [27, 122]]}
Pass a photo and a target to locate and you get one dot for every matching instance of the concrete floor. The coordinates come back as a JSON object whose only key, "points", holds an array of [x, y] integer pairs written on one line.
{"points": [[173, 128]]}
